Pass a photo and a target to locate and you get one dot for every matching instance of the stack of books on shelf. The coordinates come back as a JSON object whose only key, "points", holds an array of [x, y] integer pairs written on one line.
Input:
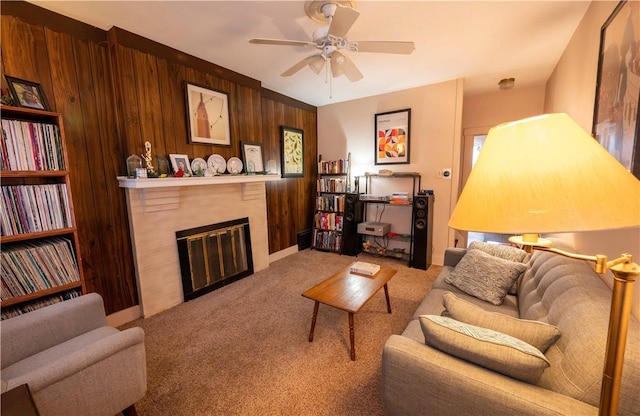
{"points": [[34, 208], [34, 266], [330, 203], [29, 145], [334, 166], [328, 221], [327, 240], [11, 311], [332, 185]]}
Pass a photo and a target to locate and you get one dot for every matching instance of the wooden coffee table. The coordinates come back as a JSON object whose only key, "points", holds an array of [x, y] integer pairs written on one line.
{"points": [[349, 292]]}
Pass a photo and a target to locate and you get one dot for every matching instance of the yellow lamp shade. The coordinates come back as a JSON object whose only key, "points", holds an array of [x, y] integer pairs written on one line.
{"points": [[546, 174]]}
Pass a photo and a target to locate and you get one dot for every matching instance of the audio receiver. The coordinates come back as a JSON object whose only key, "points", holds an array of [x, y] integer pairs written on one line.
{"points": [[377, 229]]}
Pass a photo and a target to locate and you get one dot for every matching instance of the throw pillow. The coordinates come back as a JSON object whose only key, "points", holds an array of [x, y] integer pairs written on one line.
{"points": [[539, 334], [490, 349], [484, 276], [504, 252], [500, 250]]}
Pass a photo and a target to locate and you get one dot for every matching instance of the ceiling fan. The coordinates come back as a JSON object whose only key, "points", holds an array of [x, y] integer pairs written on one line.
{"points": [[331, 40]]}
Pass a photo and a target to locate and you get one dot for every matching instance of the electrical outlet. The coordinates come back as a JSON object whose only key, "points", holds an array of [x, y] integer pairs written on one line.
{"points": [[446, 173]]}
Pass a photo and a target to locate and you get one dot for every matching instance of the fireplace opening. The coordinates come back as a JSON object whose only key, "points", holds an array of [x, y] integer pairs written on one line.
{"points": [[214, 255]]}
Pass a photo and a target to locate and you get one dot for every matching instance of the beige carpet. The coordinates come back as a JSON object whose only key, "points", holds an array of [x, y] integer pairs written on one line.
{"points": [[244, 349]]}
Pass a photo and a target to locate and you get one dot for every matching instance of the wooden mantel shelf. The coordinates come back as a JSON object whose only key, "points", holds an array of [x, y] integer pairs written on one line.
{"points": [[126, 182]]}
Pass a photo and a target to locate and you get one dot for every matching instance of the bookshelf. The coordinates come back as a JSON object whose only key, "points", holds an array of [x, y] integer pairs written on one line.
{"points": [[332, 186], [40, 258]]}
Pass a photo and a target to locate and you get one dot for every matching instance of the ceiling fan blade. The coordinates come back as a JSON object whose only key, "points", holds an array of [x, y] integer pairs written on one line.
{"points": [[297, 67], [342, 20], [282, 42], [384, 46], [342, 65]]}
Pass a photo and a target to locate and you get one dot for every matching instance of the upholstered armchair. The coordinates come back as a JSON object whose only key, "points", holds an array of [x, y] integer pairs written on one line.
{"points": [[72, 361]]}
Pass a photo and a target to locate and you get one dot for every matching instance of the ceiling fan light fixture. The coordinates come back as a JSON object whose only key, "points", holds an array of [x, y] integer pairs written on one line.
{"points": [[315, 9], [317, 64], [332, 38]]}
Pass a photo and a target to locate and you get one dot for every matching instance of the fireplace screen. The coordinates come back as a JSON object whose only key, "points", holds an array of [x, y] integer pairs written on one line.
{"points": [[213, 256]]}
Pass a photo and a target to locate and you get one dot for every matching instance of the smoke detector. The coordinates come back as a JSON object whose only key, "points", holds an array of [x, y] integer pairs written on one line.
{"points": [[507, 83]]}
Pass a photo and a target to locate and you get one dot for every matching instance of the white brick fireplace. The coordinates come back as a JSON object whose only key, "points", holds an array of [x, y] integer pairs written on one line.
{"points": [[160, 207]]}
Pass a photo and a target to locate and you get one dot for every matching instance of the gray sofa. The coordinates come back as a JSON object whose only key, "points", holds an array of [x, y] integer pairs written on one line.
{"points": [[418, 379], [74, 362]]}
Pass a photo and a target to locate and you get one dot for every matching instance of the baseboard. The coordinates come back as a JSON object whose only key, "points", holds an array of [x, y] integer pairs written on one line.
{"points": [[124, 316], [283, 253]]}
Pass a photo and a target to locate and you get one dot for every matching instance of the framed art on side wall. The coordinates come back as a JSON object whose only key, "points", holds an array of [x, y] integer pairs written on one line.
{"points": [[392, 137], [615, 116], [292, 152], [207, 115]]}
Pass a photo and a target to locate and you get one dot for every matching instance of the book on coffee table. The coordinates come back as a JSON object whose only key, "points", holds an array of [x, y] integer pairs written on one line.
{"points": [[362, 267]]}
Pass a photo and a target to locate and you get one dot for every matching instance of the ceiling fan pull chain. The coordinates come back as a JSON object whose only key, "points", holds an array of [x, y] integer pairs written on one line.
{"points": [[330, 81], [327, 77]]}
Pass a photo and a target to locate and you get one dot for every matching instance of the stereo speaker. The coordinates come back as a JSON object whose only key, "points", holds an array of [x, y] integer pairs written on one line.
{"points": [[353, 212], [422, 231]]}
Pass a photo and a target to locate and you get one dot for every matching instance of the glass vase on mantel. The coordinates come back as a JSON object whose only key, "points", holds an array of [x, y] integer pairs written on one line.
{"points": [[133, 162]]}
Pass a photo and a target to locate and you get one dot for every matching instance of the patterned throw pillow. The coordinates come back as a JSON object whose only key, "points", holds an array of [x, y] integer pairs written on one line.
{"points": [[484, 276], [500, 250], [490, 349], [539, 334], [504, 252]]}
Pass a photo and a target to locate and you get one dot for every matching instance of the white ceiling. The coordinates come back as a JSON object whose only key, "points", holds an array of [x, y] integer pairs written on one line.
{"points": [[480, 41]]}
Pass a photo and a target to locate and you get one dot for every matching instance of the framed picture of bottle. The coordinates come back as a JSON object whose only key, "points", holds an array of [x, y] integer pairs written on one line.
{"points": [[207, 115]]}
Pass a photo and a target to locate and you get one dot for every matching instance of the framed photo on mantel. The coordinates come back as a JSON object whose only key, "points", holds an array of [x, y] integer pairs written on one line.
{"points": [[392, 137]]}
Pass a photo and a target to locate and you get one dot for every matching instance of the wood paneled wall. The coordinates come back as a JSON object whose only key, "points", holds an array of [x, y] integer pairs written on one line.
{"points": [[117, 90]]}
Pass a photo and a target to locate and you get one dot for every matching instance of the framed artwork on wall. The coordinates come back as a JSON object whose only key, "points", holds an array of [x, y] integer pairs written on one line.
{"points": [[27, 94], [292, 152], [252, 156], [615, 116], [207, 115], [392, 137]]}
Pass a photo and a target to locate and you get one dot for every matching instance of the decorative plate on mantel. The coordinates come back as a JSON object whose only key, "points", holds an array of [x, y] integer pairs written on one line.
{"points": [[217, 163], [198, 165], [234, 165]]}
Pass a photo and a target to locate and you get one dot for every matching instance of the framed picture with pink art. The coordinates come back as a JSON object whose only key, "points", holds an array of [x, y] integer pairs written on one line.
{"points": [[616, 110], [207, 115], [392, 143]]}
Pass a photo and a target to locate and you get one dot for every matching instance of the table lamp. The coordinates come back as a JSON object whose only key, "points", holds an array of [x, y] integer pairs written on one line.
{"points": [[546, 174]]}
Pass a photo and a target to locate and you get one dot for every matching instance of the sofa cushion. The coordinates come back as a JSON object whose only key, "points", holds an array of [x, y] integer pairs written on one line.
{"points": [[509, 304], [503, 251], [485, 347], [539, 334], [485, 276], [500, 250]]}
